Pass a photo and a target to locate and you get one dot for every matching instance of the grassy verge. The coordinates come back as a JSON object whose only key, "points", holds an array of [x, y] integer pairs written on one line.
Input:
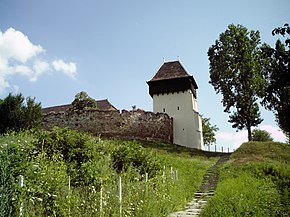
{"points": [[255, 182]]}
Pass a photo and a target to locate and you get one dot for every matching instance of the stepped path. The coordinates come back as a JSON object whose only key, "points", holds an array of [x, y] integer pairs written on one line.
{"points": [[209, 184]]}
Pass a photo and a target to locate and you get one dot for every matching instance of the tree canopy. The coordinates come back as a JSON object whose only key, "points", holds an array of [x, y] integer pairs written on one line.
{"points": [[208, 131], [236, 73], [261, 136], [16, 113], [83, 101], [276, 67]]}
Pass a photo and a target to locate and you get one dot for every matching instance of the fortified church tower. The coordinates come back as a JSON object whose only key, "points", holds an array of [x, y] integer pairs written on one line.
{"points": [[174, 92]]}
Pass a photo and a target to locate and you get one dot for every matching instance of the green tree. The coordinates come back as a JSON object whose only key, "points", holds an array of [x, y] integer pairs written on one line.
{"points": [[236, 73], [277, 75], [15, 114], [208, 131], [83, 101], [261, 136]]}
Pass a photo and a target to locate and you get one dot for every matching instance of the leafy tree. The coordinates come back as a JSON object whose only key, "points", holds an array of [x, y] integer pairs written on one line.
{"points": [[236, 73], [282, 31], [208, 131], [15, 114], [277, 75], [83, 101], [261, 135]]}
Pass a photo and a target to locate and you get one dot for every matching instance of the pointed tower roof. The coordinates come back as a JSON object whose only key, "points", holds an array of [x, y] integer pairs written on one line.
{"points": [[170, 70], [171, 77]]}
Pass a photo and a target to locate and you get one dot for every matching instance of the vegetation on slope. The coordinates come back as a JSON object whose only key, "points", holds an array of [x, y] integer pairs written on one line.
{"points": [[255, 182], [68, 173]]}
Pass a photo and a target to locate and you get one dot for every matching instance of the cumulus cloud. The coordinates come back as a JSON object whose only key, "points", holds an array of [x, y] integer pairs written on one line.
{"points": [[15, 45], [19, 56], [69, 69]]}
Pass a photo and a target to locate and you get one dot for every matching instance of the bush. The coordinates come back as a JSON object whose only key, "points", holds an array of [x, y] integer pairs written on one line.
{"points": [[66, 173], [15, 150], [131, 153], [261, 136]]}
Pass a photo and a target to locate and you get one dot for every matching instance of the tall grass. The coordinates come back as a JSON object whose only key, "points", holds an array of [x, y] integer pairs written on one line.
{"points": [[68, 173], [255, 182]]}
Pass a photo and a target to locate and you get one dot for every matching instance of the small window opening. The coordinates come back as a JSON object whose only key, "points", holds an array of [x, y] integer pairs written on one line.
{"points": [[178, 108], [163, 109]]}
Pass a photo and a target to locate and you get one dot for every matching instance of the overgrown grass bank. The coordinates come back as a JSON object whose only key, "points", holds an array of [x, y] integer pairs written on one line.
{"points": [[68, 173], [255, 182]]}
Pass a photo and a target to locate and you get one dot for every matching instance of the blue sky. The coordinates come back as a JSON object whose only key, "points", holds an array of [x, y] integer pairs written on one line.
{"points": [[53, 49]]}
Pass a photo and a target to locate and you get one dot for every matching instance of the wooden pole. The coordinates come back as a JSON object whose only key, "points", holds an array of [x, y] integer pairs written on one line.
{"points": [[120, 195]]}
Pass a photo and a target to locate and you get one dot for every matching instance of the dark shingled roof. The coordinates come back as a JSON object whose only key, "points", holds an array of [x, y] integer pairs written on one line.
{"points": [[170, 70], [171, 77], [102, 105]]}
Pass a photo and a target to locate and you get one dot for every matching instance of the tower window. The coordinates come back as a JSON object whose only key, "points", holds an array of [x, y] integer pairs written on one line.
{"points": [[163, 109], [178, 108]]}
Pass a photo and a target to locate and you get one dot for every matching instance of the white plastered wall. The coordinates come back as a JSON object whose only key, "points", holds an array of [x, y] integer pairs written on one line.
{"points": [[182, 107]]}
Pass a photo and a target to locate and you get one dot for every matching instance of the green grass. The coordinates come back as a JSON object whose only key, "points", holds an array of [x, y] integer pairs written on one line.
{"points": [[255, 182], [66, 171]]}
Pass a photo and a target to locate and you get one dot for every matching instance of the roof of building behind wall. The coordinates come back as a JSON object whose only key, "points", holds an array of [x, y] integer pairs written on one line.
{"points": [[103, 105], [170, 70]]}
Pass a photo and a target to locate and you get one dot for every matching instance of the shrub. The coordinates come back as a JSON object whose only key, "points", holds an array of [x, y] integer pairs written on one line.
{"points": [[130, 153], [261, 136], [15, 152]]}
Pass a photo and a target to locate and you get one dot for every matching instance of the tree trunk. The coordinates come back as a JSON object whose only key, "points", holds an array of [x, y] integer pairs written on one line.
{"points": [[249, 133]]}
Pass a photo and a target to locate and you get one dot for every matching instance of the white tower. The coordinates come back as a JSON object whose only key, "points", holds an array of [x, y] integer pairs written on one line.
{"points": [[174, 92]]}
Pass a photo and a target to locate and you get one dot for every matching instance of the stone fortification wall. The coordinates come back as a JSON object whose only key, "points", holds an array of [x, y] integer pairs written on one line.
{"points": [[114, 124]]}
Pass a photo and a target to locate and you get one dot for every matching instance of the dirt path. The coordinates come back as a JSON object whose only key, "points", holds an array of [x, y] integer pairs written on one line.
{"points": [[206, 191]]}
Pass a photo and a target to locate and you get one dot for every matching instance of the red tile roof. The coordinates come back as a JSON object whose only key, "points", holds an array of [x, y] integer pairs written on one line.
{"points": [[171, 77], [102, 105], [170, 70]]}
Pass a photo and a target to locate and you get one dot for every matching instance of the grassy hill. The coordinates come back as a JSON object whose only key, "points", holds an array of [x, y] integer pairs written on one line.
{"points": [[68, 173], [255, 182]]}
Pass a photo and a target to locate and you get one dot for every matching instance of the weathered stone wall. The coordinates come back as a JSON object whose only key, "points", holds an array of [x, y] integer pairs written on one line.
{"points": [[113, 124]]}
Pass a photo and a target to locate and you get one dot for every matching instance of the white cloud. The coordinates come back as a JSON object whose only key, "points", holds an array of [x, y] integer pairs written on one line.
{"points": [[19, 56], [3, 84], [22, 70], [69, 69], [15, 45], [39, 67]]}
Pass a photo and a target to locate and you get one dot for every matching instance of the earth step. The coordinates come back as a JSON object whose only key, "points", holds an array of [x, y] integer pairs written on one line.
{"points": [[183, 214], [209, 184]]}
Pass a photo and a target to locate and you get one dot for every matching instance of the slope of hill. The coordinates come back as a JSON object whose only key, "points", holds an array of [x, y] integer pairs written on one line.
{"points": [[68, 173], [255, 182]]}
